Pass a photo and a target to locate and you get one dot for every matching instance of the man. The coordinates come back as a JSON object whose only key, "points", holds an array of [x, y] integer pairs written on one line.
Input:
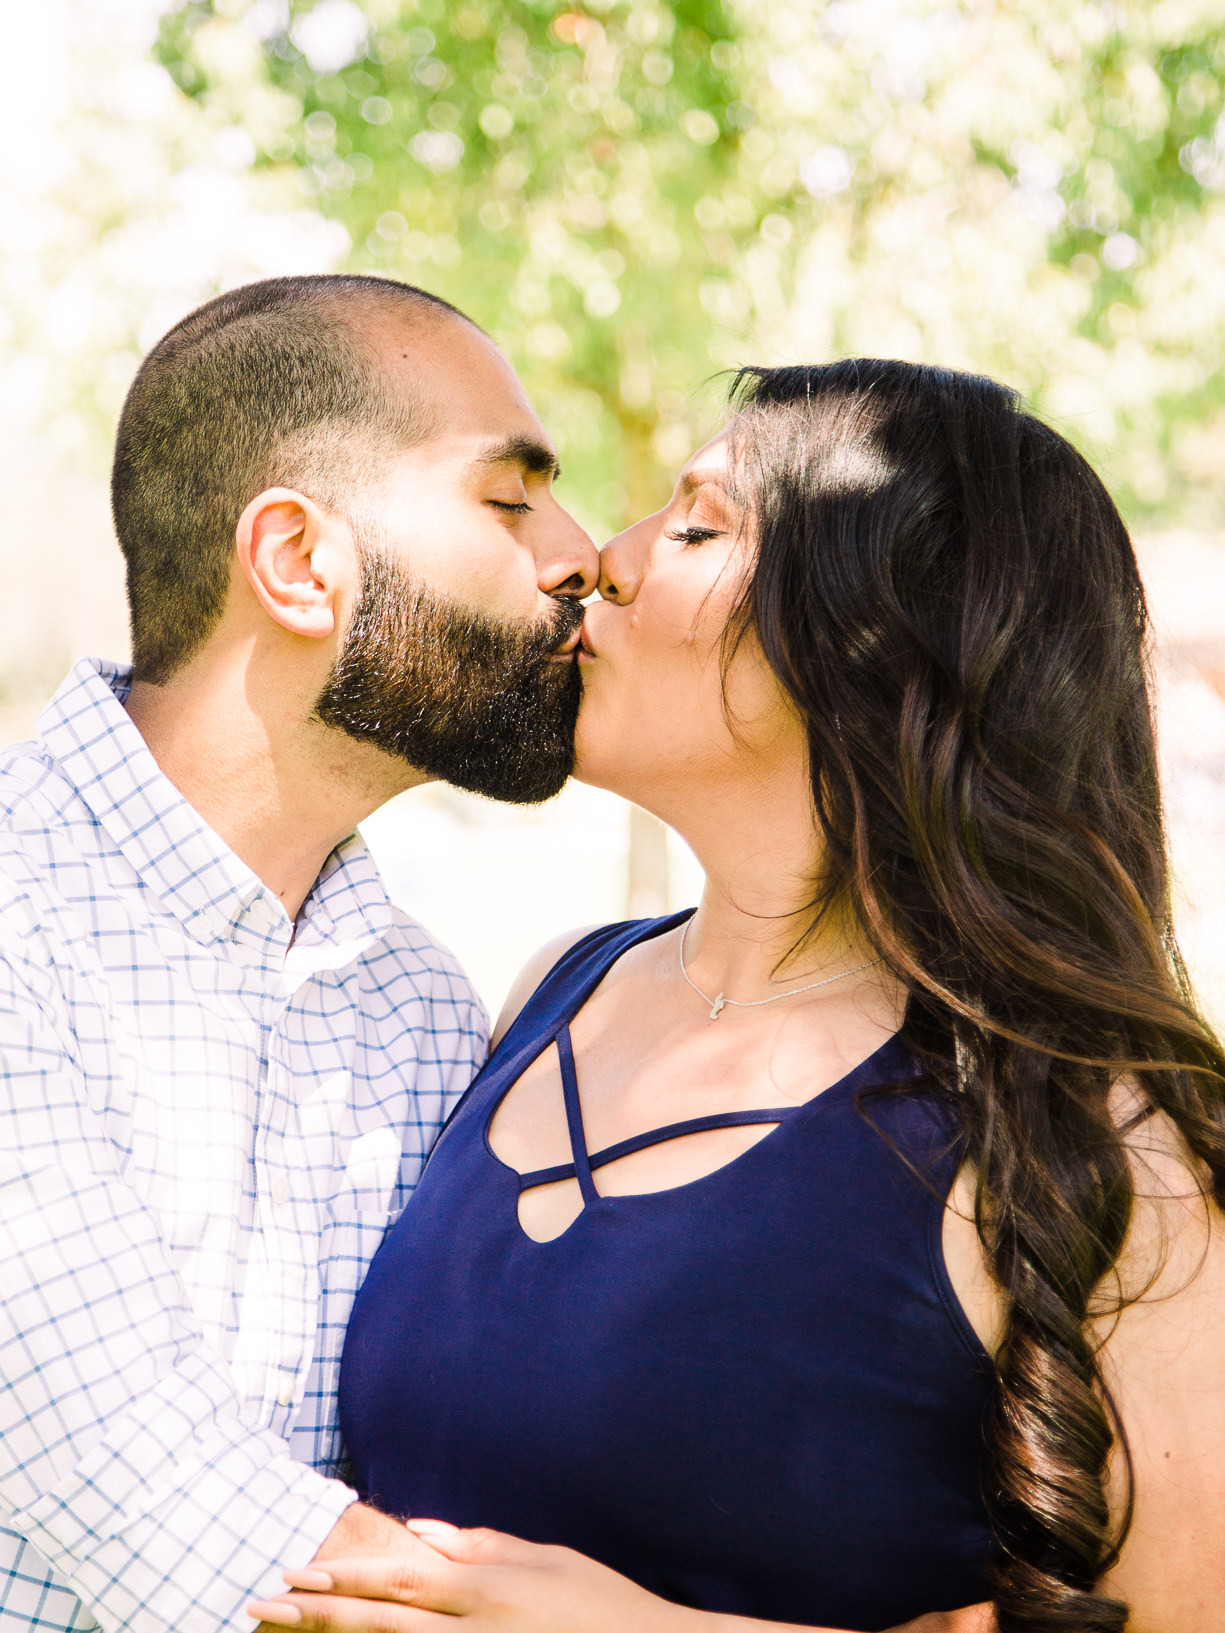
{"points": [[224, 1054]]}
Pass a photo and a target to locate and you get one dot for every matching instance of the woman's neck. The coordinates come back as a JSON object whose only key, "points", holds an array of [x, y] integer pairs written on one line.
{"points": [[754, 932]]}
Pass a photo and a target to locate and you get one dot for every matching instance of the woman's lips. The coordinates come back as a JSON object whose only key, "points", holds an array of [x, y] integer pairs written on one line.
{"points": [[574, 648]]}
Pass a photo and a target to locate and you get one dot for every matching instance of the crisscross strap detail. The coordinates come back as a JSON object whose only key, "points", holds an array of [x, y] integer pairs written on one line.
{"points": [[582, 1166], [574, 1119]]}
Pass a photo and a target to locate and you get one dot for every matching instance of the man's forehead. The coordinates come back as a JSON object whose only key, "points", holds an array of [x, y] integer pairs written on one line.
{"points": [[474, 452], [476, 402], [444, 347]]}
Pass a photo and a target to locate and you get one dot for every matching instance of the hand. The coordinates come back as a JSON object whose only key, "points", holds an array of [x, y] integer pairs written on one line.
{"points": [[497, 1583], [500, 1584], [364, 1532]]}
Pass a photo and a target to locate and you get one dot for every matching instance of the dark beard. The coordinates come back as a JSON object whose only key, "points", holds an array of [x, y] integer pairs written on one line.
{"points": [[475, 701]]}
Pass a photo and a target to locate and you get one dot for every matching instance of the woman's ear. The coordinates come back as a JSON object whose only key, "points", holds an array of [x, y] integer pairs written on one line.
{"points": [[288, 551]]}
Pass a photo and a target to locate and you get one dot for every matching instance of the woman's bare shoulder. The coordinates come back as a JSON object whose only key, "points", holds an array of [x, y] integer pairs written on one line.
{"points": [[533, 973], [1163, 1358], [1161, 1330]]}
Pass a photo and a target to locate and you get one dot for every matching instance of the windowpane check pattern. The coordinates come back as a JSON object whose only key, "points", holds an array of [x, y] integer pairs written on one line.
{"points": [[205, 1131]]}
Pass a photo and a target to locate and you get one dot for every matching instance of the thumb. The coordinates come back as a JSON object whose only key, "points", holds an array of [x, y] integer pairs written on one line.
{"points": [[478, 1546]]}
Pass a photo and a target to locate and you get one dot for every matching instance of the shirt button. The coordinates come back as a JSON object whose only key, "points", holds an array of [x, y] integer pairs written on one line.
{"points": [[265, 915], [280, 1195], [285, 1395]]}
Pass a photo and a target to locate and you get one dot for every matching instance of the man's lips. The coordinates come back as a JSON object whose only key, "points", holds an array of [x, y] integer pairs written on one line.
{"points": [[575, 644]]}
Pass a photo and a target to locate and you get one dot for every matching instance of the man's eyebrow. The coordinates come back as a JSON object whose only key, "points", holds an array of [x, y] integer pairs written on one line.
{"points": [[534, 457]]}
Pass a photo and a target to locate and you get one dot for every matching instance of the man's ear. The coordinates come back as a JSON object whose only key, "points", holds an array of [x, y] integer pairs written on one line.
{"points": [[291, 556]]}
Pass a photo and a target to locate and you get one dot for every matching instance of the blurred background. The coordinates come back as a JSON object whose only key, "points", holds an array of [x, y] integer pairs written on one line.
{"points": [[632, 196]]}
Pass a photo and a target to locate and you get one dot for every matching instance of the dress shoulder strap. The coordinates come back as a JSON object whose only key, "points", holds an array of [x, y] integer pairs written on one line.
{"points": [[560, 995], [575, 976]]}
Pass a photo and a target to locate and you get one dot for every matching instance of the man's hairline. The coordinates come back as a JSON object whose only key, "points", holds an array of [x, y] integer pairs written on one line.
{"points": [[371, 321]]}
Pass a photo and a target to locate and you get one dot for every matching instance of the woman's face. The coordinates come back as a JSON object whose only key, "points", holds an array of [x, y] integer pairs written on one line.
{"points": [[659, 717]]}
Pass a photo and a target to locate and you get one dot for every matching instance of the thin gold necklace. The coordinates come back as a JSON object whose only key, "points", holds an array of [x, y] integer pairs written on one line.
{"points": [[717, 1005]]}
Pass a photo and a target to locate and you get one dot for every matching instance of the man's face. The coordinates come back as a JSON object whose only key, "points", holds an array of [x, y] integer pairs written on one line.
{"points": [[469, 582], [483, 703], [470, 512]]}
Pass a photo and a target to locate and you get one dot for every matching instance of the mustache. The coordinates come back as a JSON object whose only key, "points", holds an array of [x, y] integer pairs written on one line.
{"points": [[557, 626]]}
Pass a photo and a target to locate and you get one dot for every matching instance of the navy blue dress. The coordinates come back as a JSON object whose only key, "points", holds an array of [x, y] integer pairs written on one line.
{"points": [[755, 1393]]}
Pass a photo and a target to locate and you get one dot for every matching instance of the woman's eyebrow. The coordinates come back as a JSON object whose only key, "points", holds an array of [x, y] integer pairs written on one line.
{"points": [[532, 456], [693, 480], [699, 479]]}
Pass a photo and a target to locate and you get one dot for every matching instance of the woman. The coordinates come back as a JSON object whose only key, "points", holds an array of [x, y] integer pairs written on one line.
{"points": [[919, 1303]]}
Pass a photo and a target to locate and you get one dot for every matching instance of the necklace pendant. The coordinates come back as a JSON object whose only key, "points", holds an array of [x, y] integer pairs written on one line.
{"points": [[718, 1004]]}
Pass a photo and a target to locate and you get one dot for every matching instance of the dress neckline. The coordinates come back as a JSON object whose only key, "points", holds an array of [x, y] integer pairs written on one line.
{"points": [[557, 1032]]}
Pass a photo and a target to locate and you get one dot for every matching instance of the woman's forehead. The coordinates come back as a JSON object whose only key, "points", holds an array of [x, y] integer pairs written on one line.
{"points": [[708, 465]]}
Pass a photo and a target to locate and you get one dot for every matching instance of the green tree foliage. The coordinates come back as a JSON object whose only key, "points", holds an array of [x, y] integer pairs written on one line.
{"points": [[567, 177], [631, 194], [1033, 189]]}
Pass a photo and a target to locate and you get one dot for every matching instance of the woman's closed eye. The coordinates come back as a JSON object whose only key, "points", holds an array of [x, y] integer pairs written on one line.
{"points": [[694, 535], [513, 507]]}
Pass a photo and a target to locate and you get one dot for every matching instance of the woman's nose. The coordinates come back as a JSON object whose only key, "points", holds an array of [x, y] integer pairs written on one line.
{"points": [[623, 561]]}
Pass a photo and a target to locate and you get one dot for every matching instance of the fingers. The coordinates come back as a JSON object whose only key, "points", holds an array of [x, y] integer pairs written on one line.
{"points": [[332, 1613], [479, 1546], [424, 1580]]}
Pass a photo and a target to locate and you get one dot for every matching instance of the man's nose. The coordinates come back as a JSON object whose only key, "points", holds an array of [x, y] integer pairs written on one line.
{"points": [[571, 563]]}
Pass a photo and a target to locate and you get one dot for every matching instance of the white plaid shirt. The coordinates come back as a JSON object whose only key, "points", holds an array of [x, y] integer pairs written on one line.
{"points": [[204, 1133]]}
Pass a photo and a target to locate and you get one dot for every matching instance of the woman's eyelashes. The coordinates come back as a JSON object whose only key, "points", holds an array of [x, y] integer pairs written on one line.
{"points": [[512, 507], [693, 535]]}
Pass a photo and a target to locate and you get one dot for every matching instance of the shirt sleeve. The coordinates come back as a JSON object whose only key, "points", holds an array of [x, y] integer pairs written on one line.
{"points": [[126, 1459]]}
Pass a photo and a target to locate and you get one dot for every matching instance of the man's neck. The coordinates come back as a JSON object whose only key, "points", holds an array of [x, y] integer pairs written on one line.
{"points": [[276, 786]]}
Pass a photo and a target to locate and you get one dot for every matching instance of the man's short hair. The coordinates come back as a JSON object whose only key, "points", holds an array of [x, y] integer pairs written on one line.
{"points": [[278, 383]]}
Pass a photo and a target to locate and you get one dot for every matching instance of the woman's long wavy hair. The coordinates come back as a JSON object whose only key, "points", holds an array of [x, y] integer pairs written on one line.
{"points": [[951, 600]]}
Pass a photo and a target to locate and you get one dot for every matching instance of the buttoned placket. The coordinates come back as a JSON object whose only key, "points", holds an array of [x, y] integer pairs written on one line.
{"points": [[271, 1356], [288, 1273], [288, 1277]]}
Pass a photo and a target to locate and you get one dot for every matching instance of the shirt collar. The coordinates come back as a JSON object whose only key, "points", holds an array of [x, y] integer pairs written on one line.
{"points": [[174, 852], [348, 907]]}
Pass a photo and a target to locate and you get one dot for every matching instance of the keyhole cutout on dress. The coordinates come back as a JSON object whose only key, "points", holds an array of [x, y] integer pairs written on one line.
{"points": [[547, 1211], [660, 1159]]}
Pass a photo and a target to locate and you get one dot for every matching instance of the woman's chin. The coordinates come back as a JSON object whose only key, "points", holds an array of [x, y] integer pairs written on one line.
{"points": [[596, 766], [588, 768], [614, 750]]}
